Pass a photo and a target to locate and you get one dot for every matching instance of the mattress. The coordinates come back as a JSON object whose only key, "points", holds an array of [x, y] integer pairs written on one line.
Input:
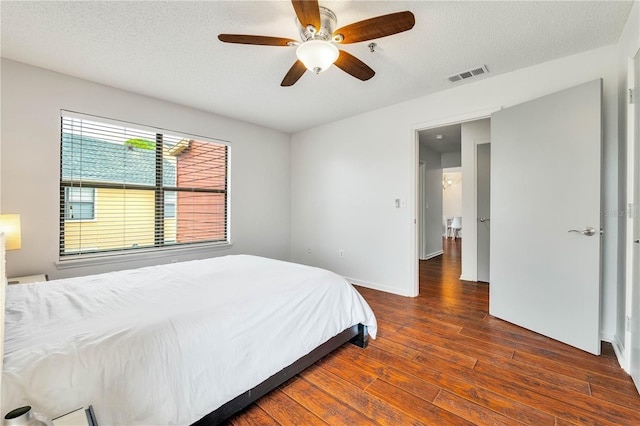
{"points": [[167, 344]]}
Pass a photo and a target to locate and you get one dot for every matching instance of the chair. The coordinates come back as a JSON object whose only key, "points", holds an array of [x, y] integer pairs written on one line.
{"points": [[456, 227], [446, 223]]}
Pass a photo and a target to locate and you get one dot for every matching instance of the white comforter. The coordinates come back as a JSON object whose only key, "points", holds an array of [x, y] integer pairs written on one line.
{"points": [[167, 344]]}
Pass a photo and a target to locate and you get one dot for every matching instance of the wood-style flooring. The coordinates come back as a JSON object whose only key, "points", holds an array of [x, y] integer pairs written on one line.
{"points": [[441, 359]]}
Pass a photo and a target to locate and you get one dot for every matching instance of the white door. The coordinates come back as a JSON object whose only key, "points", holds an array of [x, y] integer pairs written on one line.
{"points": [[483, 208], [545, 215], [635, 258]]}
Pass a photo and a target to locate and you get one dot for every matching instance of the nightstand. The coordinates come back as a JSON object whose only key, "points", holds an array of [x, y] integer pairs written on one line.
{"points": [[28, 279], [80, 417]]}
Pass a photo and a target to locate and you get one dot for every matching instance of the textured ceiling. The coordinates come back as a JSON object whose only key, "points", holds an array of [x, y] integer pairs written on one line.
{"points": [[169, 50]]}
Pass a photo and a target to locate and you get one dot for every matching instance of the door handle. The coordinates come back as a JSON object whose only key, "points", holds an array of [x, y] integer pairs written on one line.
{"points": [[637, 241], [588, 231], [483, 219]]}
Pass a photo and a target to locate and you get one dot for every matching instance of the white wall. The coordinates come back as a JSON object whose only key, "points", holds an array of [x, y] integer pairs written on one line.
{"points": [[31, 102], [472, 134], [452, 196], [451, 159], [346, 174], [433, 203]]}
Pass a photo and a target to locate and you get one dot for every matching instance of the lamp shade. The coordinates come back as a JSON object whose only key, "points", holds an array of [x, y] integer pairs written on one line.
{"points": [[10, 226], [317, 55]]}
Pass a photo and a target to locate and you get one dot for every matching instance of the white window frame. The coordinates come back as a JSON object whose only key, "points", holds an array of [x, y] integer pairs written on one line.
{"points": [[94, 202]]}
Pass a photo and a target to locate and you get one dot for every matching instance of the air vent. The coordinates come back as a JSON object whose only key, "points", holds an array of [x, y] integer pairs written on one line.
{"points": [[468, 74]]}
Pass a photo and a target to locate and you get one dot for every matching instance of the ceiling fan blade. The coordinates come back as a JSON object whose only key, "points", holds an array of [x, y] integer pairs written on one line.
{"points": [[380, 26], [294, 74], [253, 39], [308, 12], [354, 66]]}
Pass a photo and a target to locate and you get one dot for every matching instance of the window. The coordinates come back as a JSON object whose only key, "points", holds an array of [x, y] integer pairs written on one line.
{"points": [[80, 203], [170, 198], [155, 189]]}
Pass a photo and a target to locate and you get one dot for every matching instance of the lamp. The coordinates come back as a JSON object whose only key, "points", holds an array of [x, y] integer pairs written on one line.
{"points": [[317, 55], [446, 182], [10, 226], [450, 180]]}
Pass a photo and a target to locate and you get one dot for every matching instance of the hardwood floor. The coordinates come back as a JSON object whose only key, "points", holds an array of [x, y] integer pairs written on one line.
{"points": [[440, 359]]}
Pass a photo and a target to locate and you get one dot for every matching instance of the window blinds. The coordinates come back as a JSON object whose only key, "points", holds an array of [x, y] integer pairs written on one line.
{"points": [[123, 188]]}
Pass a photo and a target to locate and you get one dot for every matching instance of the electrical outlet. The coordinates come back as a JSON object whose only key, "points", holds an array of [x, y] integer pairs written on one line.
{"points": [[308, 251], [341, 253]]}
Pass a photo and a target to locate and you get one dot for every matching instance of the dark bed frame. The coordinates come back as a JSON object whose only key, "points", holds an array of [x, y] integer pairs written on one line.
{"points": [[356, 334]]}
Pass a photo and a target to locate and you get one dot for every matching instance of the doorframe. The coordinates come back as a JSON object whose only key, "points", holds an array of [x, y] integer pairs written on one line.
{"points": [[633, 204], [414, 169], [422, 171]]}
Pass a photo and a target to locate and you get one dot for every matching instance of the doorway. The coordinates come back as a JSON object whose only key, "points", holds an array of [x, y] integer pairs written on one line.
{"points": [[534, 285], [452, 201], [438, 151], [452, 150]]}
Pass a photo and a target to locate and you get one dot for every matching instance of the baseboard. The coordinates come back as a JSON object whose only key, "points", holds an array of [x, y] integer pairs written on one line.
{"points": [[466, 278], [432, 255], [618, 348], [377, 286], [606, 337]]}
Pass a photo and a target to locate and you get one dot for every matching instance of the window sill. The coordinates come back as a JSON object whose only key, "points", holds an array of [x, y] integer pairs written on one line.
{"points": [[105, 259]]}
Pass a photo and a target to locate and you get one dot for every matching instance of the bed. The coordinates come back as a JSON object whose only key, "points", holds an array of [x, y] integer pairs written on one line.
{"points": [[173, 344]]}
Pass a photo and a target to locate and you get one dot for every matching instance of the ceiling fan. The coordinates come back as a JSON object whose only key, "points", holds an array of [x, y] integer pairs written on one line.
{"points": [[317, 51]]}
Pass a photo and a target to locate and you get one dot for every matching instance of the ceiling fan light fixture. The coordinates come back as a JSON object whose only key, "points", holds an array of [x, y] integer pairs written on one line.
{"points": [[318, 34], [317, 55]]}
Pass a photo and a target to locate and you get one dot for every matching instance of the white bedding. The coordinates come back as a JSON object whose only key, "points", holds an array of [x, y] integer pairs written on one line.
{"points": [[167, 344]]}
